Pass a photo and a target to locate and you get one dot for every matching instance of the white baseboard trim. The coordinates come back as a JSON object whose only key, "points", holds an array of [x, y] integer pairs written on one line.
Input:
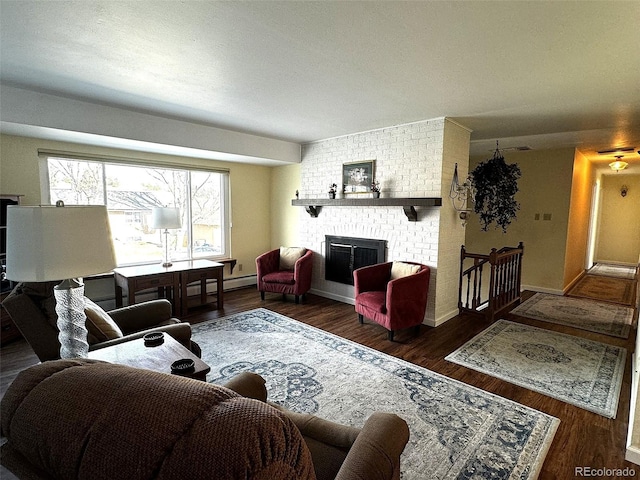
{"points": [[632, 452], [442, 319], [533, 288], [333, 296], [573, 282], [240, 282]]}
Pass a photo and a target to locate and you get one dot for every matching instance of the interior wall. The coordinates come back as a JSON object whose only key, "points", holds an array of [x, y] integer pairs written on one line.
{"points": [[19, 171], [544, 192], [250, 189], [285, 218], [452, 232], [619, 227], [579, 214]]}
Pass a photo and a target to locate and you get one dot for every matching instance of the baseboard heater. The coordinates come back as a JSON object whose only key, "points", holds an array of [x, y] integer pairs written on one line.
{"points": [[343, 255]]}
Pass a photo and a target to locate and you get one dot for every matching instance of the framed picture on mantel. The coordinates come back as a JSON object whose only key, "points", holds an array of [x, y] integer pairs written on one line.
{"points": [[358, 176]]}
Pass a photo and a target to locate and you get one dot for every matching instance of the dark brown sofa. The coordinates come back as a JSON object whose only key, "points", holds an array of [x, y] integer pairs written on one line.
{"points": [[94, 420]]}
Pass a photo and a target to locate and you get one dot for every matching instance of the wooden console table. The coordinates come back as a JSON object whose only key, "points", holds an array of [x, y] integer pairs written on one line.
{"points": [[201, 270], [171, 282]]}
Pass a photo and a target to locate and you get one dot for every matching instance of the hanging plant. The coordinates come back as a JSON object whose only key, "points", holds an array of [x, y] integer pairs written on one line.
{"points": [[495, 184]]}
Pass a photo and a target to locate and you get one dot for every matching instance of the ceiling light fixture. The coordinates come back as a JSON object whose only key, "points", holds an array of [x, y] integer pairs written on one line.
{"points": [[618, 164]]}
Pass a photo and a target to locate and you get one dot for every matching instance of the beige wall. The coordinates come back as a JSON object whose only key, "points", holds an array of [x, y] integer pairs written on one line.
{"points": [[451, 234], [285, 217], [619, 226], [250, 189], [19, 173], [544, 188], [579, 214]]}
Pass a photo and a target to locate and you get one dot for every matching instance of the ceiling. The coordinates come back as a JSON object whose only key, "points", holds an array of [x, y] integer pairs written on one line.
{"points": [[537, 74]]}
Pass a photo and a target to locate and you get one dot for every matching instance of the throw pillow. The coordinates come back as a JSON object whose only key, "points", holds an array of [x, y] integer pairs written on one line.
{"points": [[289, 256], [401, 269], [99, 324]]}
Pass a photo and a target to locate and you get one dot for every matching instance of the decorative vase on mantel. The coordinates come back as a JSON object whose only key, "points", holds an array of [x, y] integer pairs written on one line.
{"points": [[332, 195], [332, 190], [375, 189]]}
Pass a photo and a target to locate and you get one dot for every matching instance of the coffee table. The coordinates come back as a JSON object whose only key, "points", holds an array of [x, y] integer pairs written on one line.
{"points": [[134, 353]]}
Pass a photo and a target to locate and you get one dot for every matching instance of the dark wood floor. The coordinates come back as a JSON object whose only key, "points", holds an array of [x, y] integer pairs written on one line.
{"points": [[583, 438]]}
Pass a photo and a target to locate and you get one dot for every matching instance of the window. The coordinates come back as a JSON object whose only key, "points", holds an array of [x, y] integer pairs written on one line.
{"points": [[130, 192]]}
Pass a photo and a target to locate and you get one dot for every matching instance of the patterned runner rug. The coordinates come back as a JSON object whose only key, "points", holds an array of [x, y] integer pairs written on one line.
{"points": [[581, 372], [607, 289], [599, 317], [457, 431], [609, 270]]}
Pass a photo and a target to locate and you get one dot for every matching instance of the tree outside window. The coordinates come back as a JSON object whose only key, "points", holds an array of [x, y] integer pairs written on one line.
{"points": [[131, 191]]}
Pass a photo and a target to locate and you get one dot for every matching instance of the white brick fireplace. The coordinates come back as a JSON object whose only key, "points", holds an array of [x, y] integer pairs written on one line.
{"points": [[412, 160]]}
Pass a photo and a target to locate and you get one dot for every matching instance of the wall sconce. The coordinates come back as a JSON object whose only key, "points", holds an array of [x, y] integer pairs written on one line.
{"points": [[465, 215], [623, 190]]}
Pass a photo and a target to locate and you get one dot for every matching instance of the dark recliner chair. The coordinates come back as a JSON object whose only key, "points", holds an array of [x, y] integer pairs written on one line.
{"points": [[31, 306], [134, 423]]}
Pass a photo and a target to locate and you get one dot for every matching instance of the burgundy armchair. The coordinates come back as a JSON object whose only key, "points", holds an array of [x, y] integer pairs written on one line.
{"points": [[396, 298], [291, 276]]}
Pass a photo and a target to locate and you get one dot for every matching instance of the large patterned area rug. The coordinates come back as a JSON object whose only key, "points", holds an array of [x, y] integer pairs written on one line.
{"points": [[457, 431], [591, 315], [609, 270], [607, 289], [575, 370]]}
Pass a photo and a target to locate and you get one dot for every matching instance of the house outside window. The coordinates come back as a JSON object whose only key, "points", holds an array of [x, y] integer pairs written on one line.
{"points": [[130, 191]]}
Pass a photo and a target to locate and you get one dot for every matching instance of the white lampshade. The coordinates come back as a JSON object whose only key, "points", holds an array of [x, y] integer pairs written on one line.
{"points": [[47, 243], [165, 217]]}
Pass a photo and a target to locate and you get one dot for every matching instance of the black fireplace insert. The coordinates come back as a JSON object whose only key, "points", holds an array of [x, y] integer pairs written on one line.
{"points": [[343, 255]]}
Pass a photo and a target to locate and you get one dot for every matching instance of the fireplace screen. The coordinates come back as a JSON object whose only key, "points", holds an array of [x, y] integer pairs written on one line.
{"points": [[343, 255]]}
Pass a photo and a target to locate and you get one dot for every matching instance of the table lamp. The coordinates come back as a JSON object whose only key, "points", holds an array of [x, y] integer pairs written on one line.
{"points": [[166, 217], [47, 243]]}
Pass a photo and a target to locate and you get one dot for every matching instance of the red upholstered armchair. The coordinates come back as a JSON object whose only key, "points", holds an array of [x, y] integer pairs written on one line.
{"points": [[286, 271], [393, 294]]}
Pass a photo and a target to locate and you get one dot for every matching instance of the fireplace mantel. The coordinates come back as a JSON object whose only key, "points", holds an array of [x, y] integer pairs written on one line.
{"points": [[313, 205]]}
